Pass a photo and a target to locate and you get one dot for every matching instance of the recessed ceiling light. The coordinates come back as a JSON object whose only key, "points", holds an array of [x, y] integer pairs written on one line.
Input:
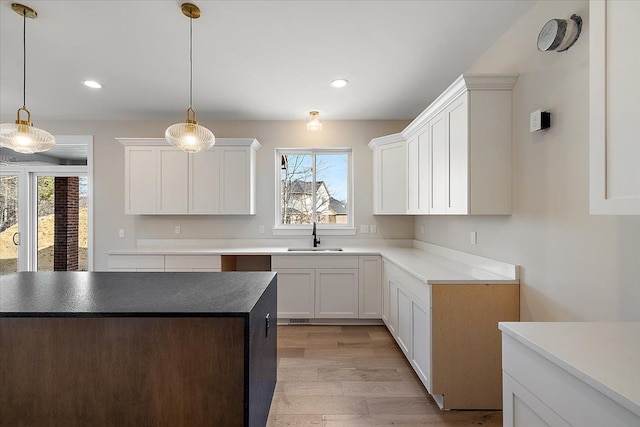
{"points": [[339, 83], [92, 84]]}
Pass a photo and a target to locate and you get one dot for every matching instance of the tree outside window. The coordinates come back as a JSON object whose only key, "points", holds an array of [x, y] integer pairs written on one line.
{"points": [[314, 186]]}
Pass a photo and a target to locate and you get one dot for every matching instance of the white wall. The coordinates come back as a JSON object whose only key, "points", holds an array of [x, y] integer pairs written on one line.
{"points": [[109, 179], [574, 266]]}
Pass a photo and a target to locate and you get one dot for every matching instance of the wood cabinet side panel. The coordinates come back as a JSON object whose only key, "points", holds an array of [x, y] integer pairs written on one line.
{"points": [[122, 371], [466, 342]]}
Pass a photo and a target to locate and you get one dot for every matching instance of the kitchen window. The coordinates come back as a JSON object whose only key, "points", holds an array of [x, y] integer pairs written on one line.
{"points": [[314, 185]]}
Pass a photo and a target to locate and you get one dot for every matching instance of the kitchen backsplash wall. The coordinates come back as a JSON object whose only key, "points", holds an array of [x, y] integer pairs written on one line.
{"points": [[575, 267], [109, 215]]}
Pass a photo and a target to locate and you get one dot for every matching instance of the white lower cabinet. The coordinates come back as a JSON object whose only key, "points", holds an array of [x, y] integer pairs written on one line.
{"points": [[539, 390], [385, 297], [404, 338], [296, 293], [336, 293], [421, 340], [328, 286], [174, 263], [370, 287], [203, 263], [449, 335]]}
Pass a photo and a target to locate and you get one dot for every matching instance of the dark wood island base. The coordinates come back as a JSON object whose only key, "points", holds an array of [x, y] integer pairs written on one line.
{"points": [[177, 368]]}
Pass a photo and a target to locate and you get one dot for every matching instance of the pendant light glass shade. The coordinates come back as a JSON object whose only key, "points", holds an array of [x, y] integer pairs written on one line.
{"points": [[22, 136], [190, 136], [314, 123]]}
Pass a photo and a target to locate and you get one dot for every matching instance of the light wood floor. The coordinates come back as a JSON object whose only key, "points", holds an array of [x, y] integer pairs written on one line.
{"points": [[338, 376]]}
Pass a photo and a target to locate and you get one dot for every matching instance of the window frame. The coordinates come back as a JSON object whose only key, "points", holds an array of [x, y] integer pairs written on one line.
{"points": [[304, 229]]}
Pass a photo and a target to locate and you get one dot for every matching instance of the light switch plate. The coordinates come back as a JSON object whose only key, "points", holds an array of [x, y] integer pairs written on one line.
{"points": [[121, 232], [474, 238], [177, 229], [373, 228], [364, 229], [539, 120]]}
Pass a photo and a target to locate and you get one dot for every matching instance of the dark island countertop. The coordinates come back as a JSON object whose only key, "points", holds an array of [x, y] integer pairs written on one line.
{"points": [[124, 294]]}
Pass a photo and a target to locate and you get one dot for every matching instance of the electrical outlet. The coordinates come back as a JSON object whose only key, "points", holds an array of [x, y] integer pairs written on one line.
{"points": [[177, 229], [373, 228], [121, 232], [364, 229], [474, 238], [261, 229], [422, 229]]}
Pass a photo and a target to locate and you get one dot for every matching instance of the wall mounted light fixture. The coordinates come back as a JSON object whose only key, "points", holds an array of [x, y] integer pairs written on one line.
{"points": [[314, 123], [190, 136], [559, 34], [22, 136]]}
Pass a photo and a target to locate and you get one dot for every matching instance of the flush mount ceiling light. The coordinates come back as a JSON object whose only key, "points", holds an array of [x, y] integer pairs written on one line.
{"points": [[190, 136], [92, 84], [559, 34], [22, 136], [314, 123], [338, 83]]}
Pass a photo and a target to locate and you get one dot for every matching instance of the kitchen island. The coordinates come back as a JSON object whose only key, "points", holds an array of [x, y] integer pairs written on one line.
{"points": [[131, 349]]}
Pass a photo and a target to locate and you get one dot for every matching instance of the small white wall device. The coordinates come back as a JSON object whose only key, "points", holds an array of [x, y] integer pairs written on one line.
{"points": [[539, 120]]}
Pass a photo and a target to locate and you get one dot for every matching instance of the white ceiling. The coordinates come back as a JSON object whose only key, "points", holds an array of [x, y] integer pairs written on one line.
{"points": [[253, 60]]}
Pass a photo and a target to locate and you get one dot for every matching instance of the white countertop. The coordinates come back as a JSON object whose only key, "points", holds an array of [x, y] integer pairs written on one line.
{"points": [[429, 263], [604, 355]]}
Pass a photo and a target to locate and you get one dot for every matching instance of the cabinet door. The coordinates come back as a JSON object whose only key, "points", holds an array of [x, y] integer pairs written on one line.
{"points": [[336, 293], [392, 179], [457, 156], [438, 161], [393, 307], [370, 287], [385, 296], [173, 183], [421, 341], [614, 92], [235, 180], [424, 172], [404, 322], [296, 292], [412, 175], [204, 182], [140, 180]]}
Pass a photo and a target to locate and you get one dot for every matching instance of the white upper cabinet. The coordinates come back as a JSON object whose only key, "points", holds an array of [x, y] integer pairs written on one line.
{"points": [[159, 179], [614, 65], [237, 180], [172, 181], [389, 175], [140, 180], [458, 152], [204, 182]]}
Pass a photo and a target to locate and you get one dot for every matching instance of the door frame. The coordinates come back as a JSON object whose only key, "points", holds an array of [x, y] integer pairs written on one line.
{"points": [[27, 199]]}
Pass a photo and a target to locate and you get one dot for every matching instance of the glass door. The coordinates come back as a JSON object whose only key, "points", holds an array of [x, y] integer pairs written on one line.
{"points": [[10, 250]]}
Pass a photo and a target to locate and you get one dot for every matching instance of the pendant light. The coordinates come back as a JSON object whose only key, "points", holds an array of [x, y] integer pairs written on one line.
{"points": [[190, 136], [22, 136], [314, 123]]}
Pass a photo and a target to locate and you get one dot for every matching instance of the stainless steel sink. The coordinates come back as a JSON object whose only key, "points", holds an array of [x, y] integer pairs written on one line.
{"points": [[314, 249]]}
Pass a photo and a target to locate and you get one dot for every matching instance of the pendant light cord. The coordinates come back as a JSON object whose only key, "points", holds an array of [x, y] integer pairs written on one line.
{"points": [[190, 59], [24, 58]]}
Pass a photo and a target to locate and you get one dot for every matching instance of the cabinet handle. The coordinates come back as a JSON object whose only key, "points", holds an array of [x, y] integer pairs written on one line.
{"points": [[268, 324]]}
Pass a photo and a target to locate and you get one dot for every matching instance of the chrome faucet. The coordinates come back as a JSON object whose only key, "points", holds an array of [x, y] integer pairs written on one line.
{"points": [[316, 241]]}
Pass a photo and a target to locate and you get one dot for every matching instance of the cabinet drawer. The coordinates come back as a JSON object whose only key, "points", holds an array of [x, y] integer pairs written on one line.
{"points": [[136, 261], [192, 261], [313, 261]]}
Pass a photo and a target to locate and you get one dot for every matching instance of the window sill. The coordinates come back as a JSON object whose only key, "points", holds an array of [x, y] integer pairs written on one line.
{"points": [[295, 231]]}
